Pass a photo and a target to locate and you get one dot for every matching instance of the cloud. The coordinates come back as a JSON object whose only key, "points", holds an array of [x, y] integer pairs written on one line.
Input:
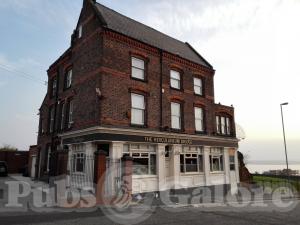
{"points": [[2, 84], [47, 12], [254, 47]]}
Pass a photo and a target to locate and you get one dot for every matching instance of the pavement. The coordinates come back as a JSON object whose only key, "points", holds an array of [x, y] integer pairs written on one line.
{"points": [[259, 212]]}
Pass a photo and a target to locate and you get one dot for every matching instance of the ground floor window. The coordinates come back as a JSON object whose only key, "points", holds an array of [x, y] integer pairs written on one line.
{"points": [[79, 160], [232, 162], [191, 159], [144, 158], [216, 160]]}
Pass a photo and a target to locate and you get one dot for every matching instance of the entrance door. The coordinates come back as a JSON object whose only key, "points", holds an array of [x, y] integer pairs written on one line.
{"points": [[33, 164]]}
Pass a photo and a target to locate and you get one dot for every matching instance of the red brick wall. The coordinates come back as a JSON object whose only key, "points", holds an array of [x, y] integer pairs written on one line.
{"points": [[16, 160], [102, 59], [116, 85], [84, 57]]}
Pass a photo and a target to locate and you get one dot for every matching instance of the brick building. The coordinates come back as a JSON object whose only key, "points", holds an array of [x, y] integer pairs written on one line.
{"points": [[125, 89]]}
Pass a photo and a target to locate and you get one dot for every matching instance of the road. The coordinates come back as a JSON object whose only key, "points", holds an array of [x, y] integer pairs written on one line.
{"points": [[260, 213]]}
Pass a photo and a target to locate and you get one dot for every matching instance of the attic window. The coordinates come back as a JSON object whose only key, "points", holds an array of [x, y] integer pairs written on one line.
{"points": [[80, 31]]}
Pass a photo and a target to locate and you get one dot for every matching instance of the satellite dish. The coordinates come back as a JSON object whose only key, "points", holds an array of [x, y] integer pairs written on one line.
{"points": [[240, 133]]}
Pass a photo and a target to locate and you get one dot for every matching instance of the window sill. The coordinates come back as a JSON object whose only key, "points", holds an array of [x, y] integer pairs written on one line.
{"points": [[138, 125], [225, 135], [199, 95], [192, 173], [217, 172], [176, 130], [78, 173], [138, 79], [67, 88], [176, 89], [143, 176]]}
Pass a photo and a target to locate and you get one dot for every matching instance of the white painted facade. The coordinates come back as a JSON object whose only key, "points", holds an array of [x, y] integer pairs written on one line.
{"points": [[168, 174]]}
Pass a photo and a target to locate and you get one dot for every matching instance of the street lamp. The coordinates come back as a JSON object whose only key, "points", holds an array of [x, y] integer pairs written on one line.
{"points": [[286, 158]]}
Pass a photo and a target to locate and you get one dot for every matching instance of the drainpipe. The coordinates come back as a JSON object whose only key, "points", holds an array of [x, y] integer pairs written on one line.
{"points": [[161, 88], [54, 132]]}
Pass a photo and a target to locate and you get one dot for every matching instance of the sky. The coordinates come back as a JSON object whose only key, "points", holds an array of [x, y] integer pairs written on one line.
{"points": [[252, 44]]}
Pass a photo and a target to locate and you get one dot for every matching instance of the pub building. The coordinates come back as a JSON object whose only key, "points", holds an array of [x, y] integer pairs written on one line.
{"points": [[124, 93]]}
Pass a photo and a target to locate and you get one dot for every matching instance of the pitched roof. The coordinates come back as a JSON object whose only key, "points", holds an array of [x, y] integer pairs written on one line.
{"points": [[134, 29]]}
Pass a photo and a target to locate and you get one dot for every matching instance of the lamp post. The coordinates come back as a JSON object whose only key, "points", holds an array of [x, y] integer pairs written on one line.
{"points": [[286, 158]]}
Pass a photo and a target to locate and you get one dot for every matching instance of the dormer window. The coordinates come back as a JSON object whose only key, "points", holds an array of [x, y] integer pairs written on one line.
{"points": [[80, 31], [223, 124]]}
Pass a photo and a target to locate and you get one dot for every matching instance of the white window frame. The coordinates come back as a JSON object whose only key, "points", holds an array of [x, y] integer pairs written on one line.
{"points": [[80, 31], [197, 119], [135, 67], [134, 109], [48, 158], [71, 111], [142, 151], [174, 78], [192, 152], [223, 124], [173, 116], [62, 119], [69, 78], [78, 156], [218, 124], [228, 127], [54, 87], [42, 126], [51, 119], [217, 153], [232, 163], [198, 86]]}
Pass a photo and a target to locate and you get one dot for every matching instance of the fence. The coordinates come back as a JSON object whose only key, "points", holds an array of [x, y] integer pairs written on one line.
{"points": [[81, 168], [113, 176]]}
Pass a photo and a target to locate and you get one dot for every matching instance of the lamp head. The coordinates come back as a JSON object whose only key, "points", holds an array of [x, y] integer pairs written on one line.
{"points": [[286, 103]]}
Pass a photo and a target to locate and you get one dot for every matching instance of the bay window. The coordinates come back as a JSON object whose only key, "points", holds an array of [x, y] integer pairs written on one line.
{"points": [[137, 68], [137, 109], [223, 125], [199, 125], [228, 128], [175, 79], [175, 115]]}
